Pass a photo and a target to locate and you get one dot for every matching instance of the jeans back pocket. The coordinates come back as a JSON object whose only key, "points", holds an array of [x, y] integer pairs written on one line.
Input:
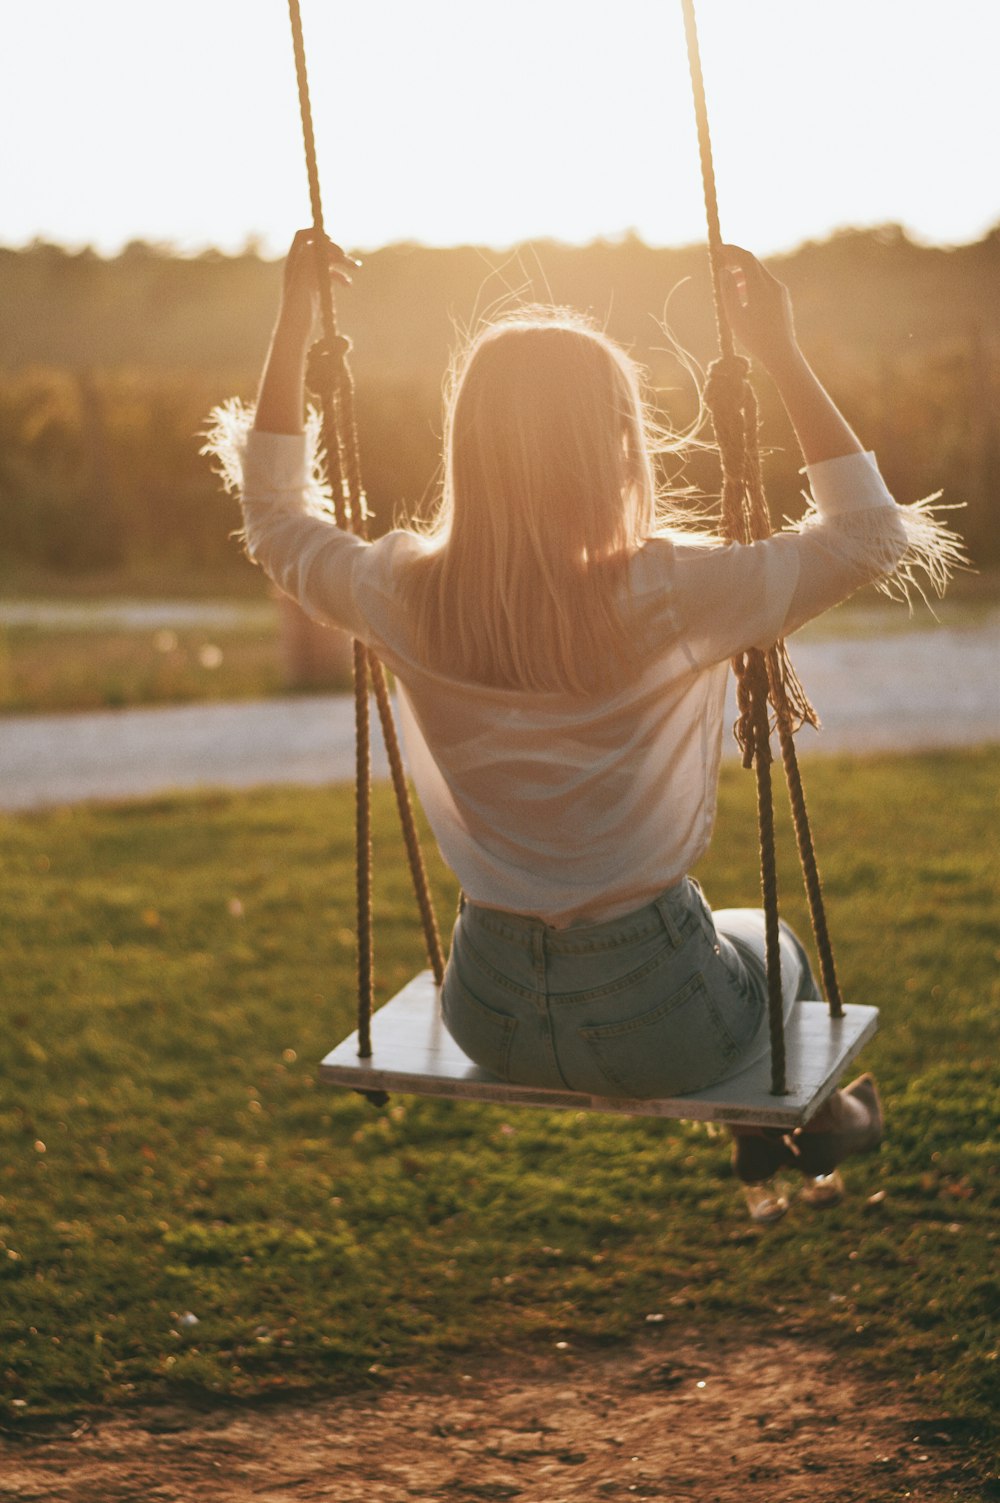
{"points": [[680, 1045], [480, 1031]]}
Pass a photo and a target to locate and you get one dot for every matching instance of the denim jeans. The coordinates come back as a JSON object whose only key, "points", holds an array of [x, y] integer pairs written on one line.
{"points": [[662, 1001]]}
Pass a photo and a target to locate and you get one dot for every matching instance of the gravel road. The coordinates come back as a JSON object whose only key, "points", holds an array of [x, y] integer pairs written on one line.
{"points": [[912, 691]]}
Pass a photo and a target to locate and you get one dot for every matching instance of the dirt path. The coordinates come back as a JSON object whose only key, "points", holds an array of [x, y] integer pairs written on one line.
{"points": [[914, 690], [736, 1420]]}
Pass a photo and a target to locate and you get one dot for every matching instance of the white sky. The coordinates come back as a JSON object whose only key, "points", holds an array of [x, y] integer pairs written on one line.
{"points": [[453, 121]]}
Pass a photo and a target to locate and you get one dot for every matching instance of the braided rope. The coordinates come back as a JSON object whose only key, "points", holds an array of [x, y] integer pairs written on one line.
{"points": [[810, 871], [329, 375], [414, 854], [756, 678], [363, 848], [727, 344], [760, 678]]}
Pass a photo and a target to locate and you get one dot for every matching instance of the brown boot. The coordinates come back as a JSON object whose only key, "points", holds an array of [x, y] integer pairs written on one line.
{"points": [[855, 1126], [759, 1152]]}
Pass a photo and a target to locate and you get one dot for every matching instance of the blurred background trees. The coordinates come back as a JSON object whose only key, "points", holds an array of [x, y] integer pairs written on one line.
{"points": [[108, 368]]}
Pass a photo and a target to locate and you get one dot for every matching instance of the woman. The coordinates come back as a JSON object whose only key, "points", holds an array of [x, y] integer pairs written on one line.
{"points": [[560, 640]]}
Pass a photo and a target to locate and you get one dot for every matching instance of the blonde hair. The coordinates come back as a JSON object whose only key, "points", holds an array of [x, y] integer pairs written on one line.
{"points": [[548, 491]]}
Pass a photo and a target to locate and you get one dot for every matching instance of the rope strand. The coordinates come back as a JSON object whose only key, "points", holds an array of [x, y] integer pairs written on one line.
{"points": [[726, 342], [757, 679], [415, 856], [329, 375], [810, 872], [760, 679], [363, 845]]}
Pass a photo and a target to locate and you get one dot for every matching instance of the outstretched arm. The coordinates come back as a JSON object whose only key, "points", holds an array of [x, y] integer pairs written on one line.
{"points": [[280, 399], [728, 599], [288, 524], [760, 312]]}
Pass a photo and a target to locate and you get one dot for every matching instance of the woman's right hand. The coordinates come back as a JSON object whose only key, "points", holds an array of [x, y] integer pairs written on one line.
{"points": [[759, 308]]}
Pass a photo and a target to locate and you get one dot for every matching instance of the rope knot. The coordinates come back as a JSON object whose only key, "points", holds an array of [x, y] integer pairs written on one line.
{"points": [[724, 385], [730, 399], [325, 364]]}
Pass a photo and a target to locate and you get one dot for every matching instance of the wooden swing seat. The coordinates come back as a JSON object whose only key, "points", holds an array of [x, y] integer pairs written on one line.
{"points": [[413, 1054]]}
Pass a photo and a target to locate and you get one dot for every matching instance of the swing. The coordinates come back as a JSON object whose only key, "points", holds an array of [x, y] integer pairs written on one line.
{"points": [[405, 1047]]}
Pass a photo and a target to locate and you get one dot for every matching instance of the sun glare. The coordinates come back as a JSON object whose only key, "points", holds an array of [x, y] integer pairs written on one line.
{"points": [[446, 123]]}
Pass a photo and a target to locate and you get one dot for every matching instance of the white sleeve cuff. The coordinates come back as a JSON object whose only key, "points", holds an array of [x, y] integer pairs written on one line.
{"points": [[850, 483], [275, 462]]}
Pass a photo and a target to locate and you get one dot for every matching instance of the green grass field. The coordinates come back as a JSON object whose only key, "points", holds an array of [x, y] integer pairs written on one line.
{"points": [[48, 671], [172, 972]]}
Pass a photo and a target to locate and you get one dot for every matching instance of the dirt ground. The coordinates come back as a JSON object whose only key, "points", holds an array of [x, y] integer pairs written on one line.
{"points": [[717, 1420]]}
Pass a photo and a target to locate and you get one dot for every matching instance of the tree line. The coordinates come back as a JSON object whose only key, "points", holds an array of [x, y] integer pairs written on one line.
{"points": [[108, 368]]}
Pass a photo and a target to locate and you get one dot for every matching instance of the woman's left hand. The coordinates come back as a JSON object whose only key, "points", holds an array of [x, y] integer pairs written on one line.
{"points": [[279, 403], [300, 285]]}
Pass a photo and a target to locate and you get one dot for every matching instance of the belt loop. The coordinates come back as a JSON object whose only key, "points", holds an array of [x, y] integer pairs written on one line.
{"points": [[539, 958], [662, 906]]}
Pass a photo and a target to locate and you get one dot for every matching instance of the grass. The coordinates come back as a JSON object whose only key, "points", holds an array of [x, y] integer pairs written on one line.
{"points": [[79, 655], [51, 671], [174, 969]]}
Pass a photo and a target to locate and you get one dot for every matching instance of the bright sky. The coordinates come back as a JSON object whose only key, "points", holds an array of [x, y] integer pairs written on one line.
{"points": [[453, 121]]}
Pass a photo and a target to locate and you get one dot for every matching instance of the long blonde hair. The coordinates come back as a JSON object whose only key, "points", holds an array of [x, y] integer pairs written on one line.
{"points": [[548, 490]]}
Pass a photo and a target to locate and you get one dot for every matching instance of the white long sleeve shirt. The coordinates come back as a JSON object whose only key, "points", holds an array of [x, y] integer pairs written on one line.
{"points": [[576, 809]]}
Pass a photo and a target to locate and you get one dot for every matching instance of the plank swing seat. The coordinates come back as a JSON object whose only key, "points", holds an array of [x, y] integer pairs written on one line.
{"points": [[413, 1054], [404, 1046]]}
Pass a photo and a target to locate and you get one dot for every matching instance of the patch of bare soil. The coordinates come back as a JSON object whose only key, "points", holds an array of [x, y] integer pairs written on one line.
{"points": [[717, 1420]]}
